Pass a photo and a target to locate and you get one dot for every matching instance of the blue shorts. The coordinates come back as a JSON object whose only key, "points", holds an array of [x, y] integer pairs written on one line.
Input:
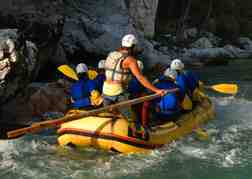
{"points": [[108, 100]]}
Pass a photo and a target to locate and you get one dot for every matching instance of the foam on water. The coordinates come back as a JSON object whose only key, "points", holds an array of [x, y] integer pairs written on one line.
{"points": [[36, 157], [227, 137]]}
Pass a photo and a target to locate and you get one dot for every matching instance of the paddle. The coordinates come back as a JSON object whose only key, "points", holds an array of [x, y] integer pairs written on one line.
{"points": [[224, 88], [53, 123], [6, 126], [221, 88], [68, 71]]}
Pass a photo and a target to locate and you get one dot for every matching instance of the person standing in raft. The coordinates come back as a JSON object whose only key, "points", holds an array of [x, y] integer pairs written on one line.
{"points": [[100, 78], [84, 93], [118, 66], [166, 107]]}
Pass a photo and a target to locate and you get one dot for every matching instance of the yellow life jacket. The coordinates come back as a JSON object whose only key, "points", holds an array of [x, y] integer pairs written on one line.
{"points": [[112, 89], [113, 67]]}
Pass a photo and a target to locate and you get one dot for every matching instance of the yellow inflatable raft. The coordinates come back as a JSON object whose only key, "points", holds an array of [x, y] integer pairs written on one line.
{"points": [[109, 132]]}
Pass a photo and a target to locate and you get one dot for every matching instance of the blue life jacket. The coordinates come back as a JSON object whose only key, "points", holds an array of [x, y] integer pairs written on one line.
{"points": [[100, 78], [181, 91], [193, 80], [183, 83], [135, 87], [168, 104], [80, 92]]}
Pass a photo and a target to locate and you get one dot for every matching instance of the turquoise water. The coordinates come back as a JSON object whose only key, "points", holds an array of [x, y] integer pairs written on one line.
{"points": [[226, 155]]}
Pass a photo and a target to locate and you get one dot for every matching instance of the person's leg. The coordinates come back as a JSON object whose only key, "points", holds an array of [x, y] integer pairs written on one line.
{"points": [[107, 101], [145, 113]]}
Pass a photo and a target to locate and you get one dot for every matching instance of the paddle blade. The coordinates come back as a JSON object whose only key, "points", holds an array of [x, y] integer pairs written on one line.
{"points": [[68, 71], [226, 88], [201, 134]]}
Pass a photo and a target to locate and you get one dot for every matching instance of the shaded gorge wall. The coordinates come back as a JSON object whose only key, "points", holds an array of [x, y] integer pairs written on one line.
{"points": [[227, 19]]}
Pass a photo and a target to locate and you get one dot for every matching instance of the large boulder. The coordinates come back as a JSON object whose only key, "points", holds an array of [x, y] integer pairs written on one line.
{"points": [[95, 31], [18, 60], [203, 42], [214, 40], [35, 101], [245, 43], [52, 97], [38, 21], [220, 54]]}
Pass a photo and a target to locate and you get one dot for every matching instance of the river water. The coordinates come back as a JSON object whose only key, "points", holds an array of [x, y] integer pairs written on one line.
{"points": [[226, 155]]}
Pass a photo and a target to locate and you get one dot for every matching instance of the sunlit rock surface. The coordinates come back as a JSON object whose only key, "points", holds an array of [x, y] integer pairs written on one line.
{"points": [[37, 21], [17, 63]]}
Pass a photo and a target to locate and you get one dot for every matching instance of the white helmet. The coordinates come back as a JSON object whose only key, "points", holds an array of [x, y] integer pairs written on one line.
{"points": [[140, 65], [177, 64], [101, 64], [81, 68], [170, 73], [129, 40]]}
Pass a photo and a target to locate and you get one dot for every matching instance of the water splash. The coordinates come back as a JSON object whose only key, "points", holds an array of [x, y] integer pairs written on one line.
{"points": [[228, 137]]}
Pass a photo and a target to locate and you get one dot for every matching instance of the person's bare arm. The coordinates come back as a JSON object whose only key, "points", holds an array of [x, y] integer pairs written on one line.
{"points": [[132, 65]]}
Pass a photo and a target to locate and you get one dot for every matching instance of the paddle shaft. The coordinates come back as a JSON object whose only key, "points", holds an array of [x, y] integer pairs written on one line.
{"points": [[53, 123], [208, 87]]}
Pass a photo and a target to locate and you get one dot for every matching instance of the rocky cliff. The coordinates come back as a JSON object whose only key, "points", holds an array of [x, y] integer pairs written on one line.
{"points": [[17, 63], [75, 30]]}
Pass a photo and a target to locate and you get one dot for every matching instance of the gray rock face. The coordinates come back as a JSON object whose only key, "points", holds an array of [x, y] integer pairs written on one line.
{"points": [[225, 52], [100, 31], [143, 12], [202, 43], [39, 21], [62, 29], [245, 43], [95, 26], [191, 33], [17, 63]]}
